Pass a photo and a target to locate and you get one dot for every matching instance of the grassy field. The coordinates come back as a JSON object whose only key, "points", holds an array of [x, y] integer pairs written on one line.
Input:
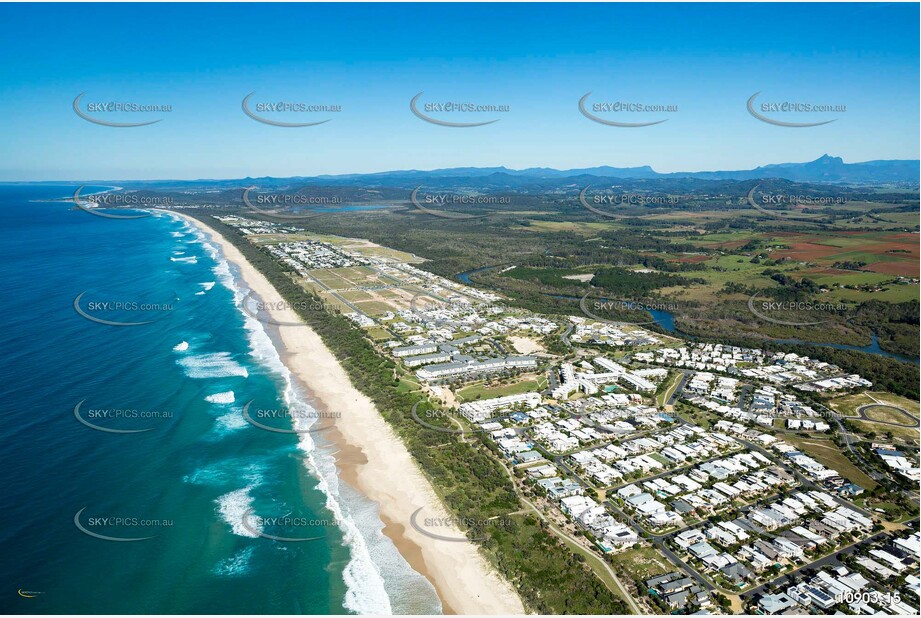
{"points": [[579, 227], [481, 391], [695, 415], [891, 293], [672, 385], [347, 277], [374, 307], [894, 513], [734, 269], [379, 334], [831, 456], [900, 402], [386, 252], [643, 563], [848, 404], [909, 434], [408, 386], [886, 254], [355, 295], [888, 415], [903, 218]]}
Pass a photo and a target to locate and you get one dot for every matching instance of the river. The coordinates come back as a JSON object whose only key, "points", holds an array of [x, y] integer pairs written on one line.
{"points": [[666, 321]]}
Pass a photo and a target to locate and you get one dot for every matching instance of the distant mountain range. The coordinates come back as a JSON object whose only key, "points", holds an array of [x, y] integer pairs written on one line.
{"points": [[824, 169]]}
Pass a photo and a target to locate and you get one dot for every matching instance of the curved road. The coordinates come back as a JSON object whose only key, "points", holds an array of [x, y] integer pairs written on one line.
{"points": [[563, 535], [862, 411]]}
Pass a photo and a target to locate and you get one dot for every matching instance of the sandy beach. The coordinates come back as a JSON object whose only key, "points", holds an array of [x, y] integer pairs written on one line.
{"points": [[374, 460]]}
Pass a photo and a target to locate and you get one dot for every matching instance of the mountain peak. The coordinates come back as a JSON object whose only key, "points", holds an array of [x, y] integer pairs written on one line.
{"points": [[827, 159]]}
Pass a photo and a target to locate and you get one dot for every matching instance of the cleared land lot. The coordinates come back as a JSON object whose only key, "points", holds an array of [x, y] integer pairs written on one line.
{"points": [[830, 455], [848, 404], [909, 434], [900, 402], [643, 563]]}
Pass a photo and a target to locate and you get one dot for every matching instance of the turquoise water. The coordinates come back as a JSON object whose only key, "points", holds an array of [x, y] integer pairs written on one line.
{"points": [[200, 481]]}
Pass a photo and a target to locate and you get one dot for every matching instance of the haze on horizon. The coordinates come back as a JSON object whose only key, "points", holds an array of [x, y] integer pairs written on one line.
{"points": [[371, 60]]}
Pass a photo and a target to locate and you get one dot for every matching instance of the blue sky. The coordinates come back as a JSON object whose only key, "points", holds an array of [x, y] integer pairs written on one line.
{"points": [[372, 59]]}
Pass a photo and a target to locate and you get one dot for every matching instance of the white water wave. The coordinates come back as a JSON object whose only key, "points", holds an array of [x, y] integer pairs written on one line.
{"points": [[229, 422], [225, 397], [213, 365], [232, 506], [228, 471], [378, 579], [238, 564]]}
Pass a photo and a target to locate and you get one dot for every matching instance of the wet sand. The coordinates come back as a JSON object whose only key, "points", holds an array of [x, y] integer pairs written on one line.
{"points": [[372, 458]]}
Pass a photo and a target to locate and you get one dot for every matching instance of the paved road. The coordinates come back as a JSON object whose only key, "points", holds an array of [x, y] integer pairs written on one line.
{"points": [[746, 389], [862, 411], [830, 560], [678, 390], [659, 542], [624, 591], [565, 336], [552, 382], [883, 403], [335, 295], [869, 469], [809, 483], [498, 347], [674, 471]]}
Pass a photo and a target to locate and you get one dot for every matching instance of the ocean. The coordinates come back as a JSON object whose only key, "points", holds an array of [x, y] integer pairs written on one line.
{"points": [[133, 481]]}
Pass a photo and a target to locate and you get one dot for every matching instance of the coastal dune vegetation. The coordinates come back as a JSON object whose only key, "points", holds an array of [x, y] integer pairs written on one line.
{"points": [[472, 484]]}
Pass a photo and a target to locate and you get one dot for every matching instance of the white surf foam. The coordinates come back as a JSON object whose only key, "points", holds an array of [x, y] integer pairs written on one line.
{"points": [[214, 365], [232, 506], [225, 397], [231, 421], [185, 260], [181, 346], [365, 589], [238, 564], [206, 286], [378, 579], [228, 471]]}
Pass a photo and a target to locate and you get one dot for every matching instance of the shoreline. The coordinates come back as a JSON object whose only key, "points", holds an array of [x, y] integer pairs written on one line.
{"points": [[371, 458]]}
